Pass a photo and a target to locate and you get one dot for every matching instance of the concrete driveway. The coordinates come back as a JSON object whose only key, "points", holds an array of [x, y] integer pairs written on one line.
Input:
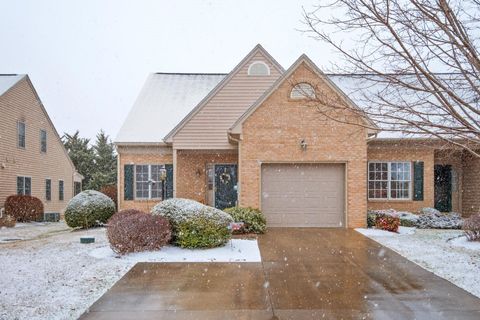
{"points": [[307, 273]]}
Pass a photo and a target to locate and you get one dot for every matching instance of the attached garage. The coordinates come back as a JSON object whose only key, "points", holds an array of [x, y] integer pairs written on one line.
{"points": [[303, 195]]}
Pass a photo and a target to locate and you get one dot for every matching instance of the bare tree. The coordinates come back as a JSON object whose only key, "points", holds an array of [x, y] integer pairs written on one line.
{"points": [[414, 65]]}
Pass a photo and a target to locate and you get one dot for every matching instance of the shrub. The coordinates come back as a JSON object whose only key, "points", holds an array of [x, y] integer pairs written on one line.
{"points": [[201, 232], [430, 218], [24, 208], [135, 231], [471, 227], [7, 221], [89, 208], [254, 220], [387, 223], [194, 225], [111, 192], [407, 219]]}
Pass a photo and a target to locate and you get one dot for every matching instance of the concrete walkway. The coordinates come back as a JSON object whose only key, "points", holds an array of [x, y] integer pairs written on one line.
{"points": [[306, 273]]}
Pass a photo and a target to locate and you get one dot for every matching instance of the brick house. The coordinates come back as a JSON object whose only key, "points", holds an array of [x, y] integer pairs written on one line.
{"points": [[33, 160], [250, 138]]}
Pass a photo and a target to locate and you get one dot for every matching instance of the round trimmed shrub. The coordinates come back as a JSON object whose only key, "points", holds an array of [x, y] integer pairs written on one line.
{"points": [[89, 208], [195, 225], [387, 223], [24, 208], [253, 219], [135, 231]]}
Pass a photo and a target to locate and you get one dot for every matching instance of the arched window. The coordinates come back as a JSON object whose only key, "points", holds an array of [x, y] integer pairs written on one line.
{"points": [[258, 68], [302, 91]]}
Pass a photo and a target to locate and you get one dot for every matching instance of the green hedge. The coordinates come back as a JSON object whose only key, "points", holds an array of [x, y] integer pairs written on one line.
{"points": [[201, 232], [89, 208], [253, 219]]}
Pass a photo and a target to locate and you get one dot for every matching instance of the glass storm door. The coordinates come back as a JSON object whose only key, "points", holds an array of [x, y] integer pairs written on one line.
{"points": [[225, 185]]}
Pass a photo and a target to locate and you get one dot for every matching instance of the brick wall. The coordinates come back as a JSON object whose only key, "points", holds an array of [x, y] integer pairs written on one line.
{"points": [[400, 152], [139, 155], [274, 131], [191, 181], [471, 186]]}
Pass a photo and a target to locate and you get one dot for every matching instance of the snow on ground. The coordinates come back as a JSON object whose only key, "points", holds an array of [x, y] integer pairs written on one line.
{"points": [[383, 233], [236, 250], [446, 253], [49, 274]]}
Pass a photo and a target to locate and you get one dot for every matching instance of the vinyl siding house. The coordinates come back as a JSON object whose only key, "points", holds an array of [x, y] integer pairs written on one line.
{"points": [[250, 138], [33, 160]]}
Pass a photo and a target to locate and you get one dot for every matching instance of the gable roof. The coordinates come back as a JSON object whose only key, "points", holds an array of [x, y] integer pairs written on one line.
{"points": [[165, 99], [236, 127], [7, 81], [220, 85]]}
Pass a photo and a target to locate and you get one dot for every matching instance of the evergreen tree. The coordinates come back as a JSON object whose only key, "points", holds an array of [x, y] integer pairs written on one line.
{"points": [[82, 155], [105, 172]]}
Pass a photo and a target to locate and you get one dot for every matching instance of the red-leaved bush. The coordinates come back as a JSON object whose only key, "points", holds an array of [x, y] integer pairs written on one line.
{"points": [[111, 192], [134, 231], [471, 227], [24, 208], [7, 221], [387, 223]]}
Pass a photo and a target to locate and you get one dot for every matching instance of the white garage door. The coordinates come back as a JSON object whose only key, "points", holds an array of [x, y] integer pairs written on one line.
{"points": [[303, 195]]}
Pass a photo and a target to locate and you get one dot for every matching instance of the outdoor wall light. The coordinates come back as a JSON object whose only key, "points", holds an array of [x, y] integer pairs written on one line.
{"points": [[303, 145]]}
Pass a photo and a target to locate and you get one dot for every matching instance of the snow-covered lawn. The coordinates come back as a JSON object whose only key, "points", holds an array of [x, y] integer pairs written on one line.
{"points": [[49, 274], [446, 253]]}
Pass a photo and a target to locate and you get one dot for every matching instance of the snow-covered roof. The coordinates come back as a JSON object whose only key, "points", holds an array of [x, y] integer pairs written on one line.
{"points": [[8, 80], [165, 99]]}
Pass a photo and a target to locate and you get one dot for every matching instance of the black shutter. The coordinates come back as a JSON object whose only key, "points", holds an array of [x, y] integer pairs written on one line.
{"points": [[128, 185], [418, 181], [169, 181]]}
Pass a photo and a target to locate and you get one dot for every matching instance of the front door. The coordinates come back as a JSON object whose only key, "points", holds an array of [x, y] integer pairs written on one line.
{"points": [[225, 185], [443, 188]]}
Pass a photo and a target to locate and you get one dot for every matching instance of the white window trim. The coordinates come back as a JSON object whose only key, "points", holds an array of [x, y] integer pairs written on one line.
{"points": [[63, 190], [302, 97], [389, 198], [51, 189], [258, 75], [24, 135], [24, 185], [149, 185]]}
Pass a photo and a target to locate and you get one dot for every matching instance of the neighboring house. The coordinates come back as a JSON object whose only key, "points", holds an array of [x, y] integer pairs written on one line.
{"points": [[251, 138], [33, 160]]}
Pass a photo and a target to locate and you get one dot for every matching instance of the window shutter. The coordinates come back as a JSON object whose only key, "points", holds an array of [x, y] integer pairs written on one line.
{"points": [[169, 181], [418, 181], [128, 185]]}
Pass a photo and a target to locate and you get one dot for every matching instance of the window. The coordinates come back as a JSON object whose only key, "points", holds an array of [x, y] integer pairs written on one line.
{"points": [[389, 180], [149, 181], [258, 68], [302, 91], [43, 140], [24, 186], [21, 134], [48, 189], [60, 190], [77, 188]]}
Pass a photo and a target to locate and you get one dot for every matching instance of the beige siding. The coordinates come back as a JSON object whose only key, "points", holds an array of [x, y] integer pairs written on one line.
{"points": [[208, 128], [20, 103]]}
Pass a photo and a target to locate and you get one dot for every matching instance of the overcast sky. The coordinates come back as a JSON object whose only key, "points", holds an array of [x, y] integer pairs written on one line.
{"points": [[88, 59]]}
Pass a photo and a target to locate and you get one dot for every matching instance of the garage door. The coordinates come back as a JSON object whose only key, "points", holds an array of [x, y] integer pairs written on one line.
{"points": [[303, 195]]}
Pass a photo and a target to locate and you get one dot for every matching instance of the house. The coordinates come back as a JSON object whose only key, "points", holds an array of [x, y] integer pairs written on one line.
{"points": [[33, 160], [250, 138]]}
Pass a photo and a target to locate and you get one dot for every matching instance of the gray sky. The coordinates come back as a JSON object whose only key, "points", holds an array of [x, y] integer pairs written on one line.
{"points": [[88, 59]]}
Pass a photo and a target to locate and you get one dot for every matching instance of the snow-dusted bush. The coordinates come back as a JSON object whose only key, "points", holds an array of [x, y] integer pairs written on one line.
{"points": [[89, 208], [135, 231], [430, 218], [7, 221], [253, 219], [24, 208], [387, 223], [186, 214], [471, 226], [407, 219]]}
